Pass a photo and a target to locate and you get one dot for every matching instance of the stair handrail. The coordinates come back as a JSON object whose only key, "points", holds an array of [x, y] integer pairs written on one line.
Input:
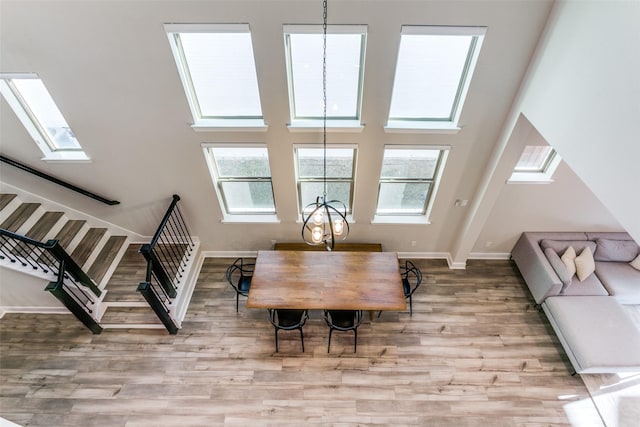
{"points": [[72, 287], [158, 300], [69, 298], [167, 255], [58, 181], [30, 257], [156, 237]]}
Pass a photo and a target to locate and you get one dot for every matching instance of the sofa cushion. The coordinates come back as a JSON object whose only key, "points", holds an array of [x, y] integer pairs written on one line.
{"points": [[560, 246], [636, 263], [585, 265], [596, 332], [613, 235], [615, 250], [591, 286], [621, 280], [559, 267]]}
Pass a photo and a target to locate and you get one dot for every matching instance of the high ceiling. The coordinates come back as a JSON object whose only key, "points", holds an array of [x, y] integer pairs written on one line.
{"points": [[109, 66]]}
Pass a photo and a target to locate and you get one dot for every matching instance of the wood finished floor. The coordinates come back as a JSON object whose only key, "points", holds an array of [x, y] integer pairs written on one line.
{"points": [[475, 353]]}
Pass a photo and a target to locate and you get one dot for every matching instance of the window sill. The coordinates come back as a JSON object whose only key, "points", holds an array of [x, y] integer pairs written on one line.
{"points": [[245, 219], [529, 181], [402, 126], [230, 125], [400, 219], [66, 157], [332, 126]]}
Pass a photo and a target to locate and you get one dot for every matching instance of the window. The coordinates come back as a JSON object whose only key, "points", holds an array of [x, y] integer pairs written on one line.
{"points": [[433, 72], [38, 112], [345, 71], [536, 165], [408, 182], [218, 73], [340, 174], [242, 179]]}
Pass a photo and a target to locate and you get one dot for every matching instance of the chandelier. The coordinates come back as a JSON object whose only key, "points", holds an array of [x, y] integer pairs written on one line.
{"points": [[324, 221]]}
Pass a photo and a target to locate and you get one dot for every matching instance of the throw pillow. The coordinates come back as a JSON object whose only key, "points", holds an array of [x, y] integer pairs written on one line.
{"points": [[636, 263], [568, 258], [615, 250], [558, 266], [585, 265]]}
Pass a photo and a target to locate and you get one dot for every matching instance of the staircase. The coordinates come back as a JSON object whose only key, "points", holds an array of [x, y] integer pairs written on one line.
{"points": [[95, 248]]}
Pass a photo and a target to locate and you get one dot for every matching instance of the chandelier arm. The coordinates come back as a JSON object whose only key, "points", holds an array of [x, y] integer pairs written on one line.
{"points": [[343, 214], [330, 223]]}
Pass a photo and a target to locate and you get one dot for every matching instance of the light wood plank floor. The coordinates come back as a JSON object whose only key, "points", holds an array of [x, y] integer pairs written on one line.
{"points": [[475, 353]]}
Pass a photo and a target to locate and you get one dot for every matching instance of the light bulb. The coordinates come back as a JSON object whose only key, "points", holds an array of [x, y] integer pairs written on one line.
{"points": [[318, 217], [316, 234], [338, 226]]}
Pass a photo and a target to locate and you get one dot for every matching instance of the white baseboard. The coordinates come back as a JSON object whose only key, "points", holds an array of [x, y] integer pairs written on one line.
{"points": [[423, 255], [194, 267], [229, 254], [34, 310], [490, 255], [402, 255]]}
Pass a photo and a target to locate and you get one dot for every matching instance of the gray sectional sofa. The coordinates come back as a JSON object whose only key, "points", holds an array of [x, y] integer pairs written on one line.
{"points": [[587, 315]]}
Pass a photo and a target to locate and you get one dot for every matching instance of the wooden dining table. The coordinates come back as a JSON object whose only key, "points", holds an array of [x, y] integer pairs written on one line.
{"points": [[327, 280]]}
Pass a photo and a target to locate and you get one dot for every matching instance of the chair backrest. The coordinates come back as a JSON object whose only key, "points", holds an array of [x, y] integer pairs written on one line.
{"points": [[287, 319], [239, 275], [344, 319], [411, 278]]}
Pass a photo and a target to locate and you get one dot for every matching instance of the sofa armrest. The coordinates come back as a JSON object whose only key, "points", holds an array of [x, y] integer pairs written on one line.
{"points": [[536, 270]]}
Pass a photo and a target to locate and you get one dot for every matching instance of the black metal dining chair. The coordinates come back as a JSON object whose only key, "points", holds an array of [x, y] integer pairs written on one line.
{"points": [[411, 280], [343, 320], [288, 320], [239, 276]]}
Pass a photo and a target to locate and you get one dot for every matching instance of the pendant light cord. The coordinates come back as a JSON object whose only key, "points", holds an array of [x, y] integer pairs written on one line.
{"points": [[324, 93]]}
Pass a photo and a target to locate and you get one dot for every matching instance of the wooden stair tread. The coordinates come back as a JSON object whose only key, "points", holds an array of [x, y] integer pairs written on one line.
{"points": [[19, 216], [106, 257], [87, 245], [129, 315], [69, 230], [43, 225], [5, 199], [131, 270], [124, 294]]}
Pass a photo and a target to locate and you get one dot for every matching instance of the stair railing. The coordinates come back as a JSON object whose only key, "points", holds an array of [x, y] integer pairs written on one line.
{"points": [[167, 255], [58, 181], [72, 287], [158, 300]]}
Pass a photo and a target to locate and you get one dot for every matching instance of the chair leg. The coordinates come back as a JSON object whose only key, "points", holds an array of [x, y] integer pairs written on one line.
{"points": [[237, 301], [276, 339], [329, 346], [302, 339], [355, 340], [410, 306]]}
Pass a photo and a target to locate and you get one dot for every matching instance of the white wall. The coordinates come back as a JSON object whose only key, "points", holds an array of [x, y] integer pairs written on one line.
{"points": [[21, 292], [584, 99], [119, 90], [564, 205]]}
